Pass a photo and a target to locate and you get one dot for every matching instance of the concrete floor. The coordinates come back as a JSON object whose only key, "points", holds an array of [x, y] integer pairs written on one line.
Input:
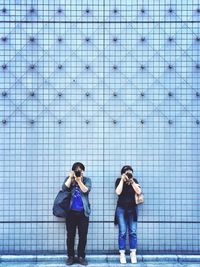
{"points": [[101, 261]]}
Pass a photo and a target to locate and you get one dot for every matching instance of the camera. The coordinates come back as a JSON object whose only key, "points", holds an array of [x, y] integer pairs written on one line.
{"points": [[129, 175], [77, 173]]}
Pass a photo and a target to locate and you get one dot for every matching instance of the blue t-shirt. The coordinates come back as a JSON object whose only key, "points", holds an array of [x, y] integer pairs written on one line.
{"points": [[77, 203]]}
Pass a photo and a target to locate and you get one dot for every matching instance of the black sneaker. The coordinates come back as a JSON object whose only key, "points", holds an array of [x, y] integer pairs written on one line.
{"points": [[70, 260], [82, 261]]}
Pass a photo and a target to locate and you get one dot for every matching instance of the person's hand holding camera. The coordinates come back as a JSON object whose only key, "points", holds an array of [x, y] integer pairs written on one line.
{"points": [[131, 181], [78, 176], [71, 174], [130, 178], [124, 177], [79, 179], [70, 179]]}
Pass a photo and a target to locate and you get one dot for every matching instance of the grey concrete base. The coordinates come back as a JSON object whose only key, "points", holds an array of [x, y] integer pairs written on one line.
{"points": [[100, 260]]}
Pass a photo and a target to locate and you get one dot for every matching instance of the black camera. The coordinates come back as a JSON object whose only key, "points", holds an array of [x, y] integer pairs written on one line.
{"points": [[129, 175], [77, 173]]}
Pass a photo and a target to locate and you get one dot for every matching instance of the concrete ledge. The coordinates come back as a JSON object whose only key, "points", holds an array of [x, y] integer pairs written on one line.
{"points": [[161, 258], [98, 259], [189, 258]]}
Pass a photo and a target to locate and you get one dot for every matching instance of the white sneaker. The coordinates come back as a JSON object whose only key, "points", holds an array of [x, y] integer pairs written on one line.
{"points": [[122, 258], [133, 257]]}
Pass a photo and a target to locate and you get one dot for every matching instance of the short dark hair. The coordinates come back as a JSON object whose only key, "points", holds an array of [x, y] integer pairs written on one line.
{"points": [[126, 168], [78, 164]]}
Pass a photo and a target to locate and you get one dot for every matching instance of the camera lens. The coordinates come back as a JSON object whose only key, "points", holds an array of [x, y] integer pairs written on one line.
{"points": [[78, 173], [129, 175]]}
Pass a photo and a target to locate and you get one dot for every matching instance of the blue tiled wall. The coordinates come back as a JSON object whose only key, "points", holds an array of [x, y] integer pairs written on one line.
{"points": [[107, 83]]}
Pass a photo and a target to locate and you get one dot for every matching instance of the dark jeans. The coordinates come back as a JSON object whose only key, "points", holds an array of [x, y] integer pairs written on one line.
{"points": [[77, 220]]}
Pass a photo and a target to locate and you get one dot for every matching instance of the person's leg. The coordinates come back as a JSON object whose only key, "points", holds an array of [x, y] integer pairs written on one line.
{"points": [[122, 223], [83, 223], [71, 223], [132, 229]]}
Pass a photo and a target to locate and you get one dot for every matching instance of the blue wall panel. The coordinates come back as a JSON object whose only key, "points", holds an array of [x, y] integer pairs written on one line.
{"points": [[106, 83]]}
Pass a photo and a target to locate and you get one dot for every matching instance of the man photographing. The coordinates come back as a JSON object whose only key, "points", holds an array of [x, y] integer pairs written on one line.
{"points": [[78, 216]]}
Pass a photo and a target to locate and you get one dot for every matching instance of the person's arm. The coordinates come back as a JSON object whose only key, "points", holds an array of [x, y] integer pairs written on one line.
{"points": [[136, 187], [69, 180], [119, 188], [84, 188]]}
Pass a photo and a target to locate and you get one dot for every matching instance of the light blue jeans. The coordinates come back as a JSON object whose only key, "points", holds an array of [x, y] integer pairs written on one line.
{"points": [[124, 223]]}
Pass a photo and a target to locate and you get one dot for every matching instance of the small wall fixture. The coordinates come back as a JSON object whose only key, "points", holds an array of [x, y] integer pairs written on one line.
{"points": [[4, 93]]}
